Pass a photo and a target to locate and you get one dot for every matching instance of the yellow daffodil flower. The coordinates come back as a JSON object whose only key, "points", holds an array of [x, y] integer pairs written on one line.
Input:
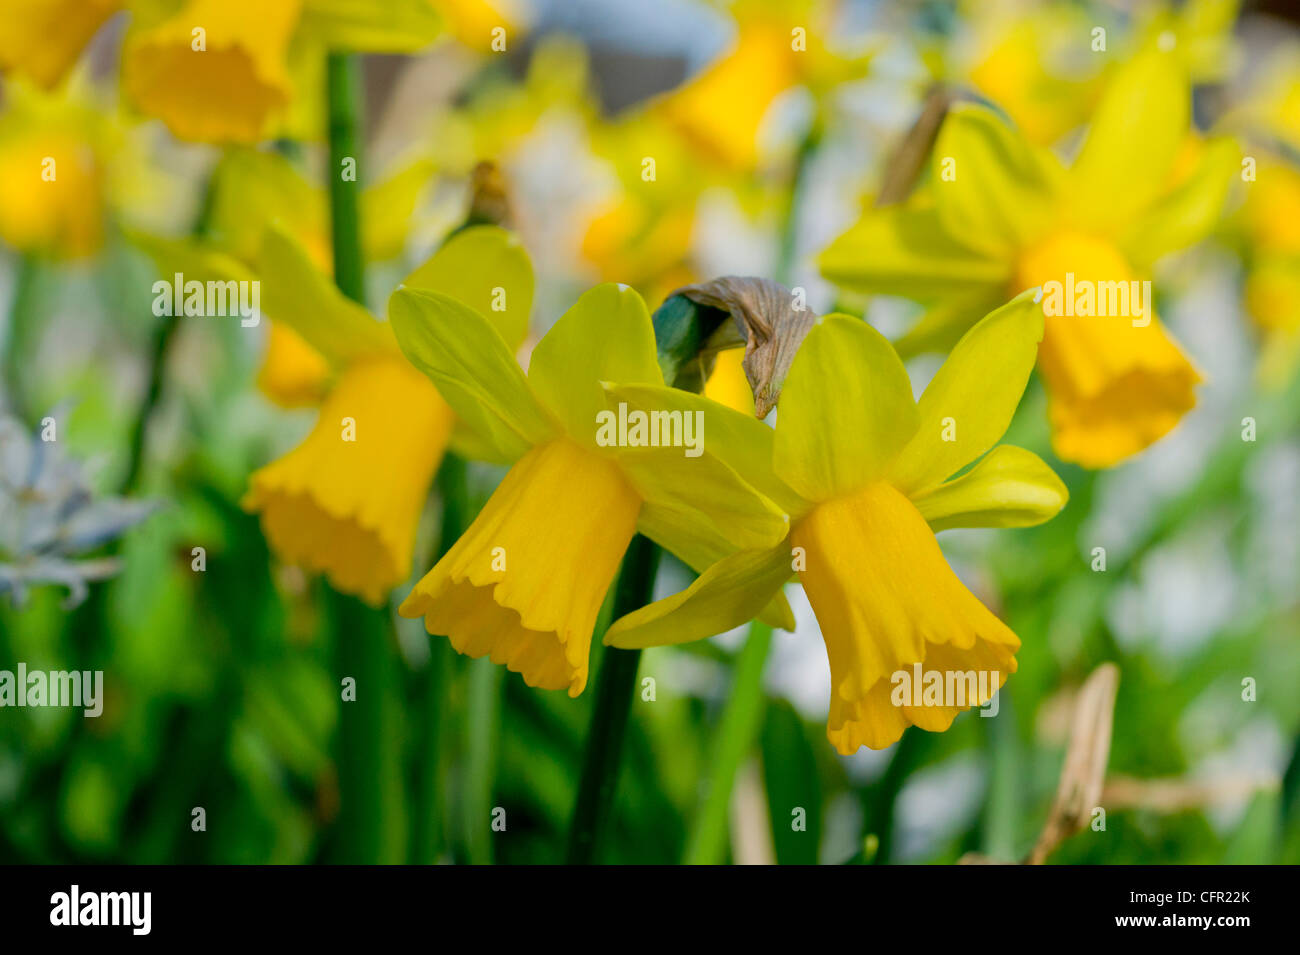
{"points": [[866, 474], [42, 39], [525, 582], [347, 500], [1001, 215], [55, 153], [224, 70]]}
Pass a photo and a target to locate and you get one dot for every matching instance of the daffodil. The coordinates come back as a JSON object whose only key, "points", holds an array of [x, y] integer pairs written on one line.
{"points": [[42, 39], [524, 584], [346, 501], [867, 475], [228, 70], [1000, 216], [56, 152]]}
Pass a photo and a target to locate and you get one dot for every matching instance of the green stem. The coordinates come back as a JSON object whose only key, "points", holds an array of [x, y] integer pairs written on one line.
{"points": [[163, 336], [427, 841], [22, 326], [343, 82], [482, 720], [370, 793], [783, 271], [737, 733], [615, 688]]}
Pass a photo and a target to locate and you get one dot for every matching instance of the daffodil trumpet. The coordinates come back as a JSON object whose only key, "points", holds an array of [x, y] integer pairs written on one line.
{"points": [[347, 500], [868, 475]]}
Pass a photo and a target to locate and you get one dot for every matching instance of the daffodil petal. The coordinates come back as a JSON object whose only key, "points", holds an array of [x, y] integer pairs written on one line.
{"points": [[486, 268], [726, 595], [846, 410], [944, 323], [295, 292], [606, 335], [388, 208], [394, 26], [1010, 487], [739, 440], [252, 189], [968, 405], [906, 251], [699, 552], [1132, 143], [720, 505], [1187, 214], [193, 258], [44, 38], [991, 187], [474, 369]]}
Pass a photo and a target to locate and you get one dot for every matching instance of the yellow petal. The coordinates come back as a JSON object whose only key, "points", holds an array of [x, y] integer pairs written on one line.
{"points": [[472, 21], [606, 336], [727, 594], [349, 508], [295, 292], [944, 323], [727, 384], [738, 440], [526, 581], [1113, 387], [846, 410], [886, 599], [720, 506], [372, 26], [968, 405], [226, 92], [474, 370], [41, 39], [388, 210], [293, 374], [1133, 141], [1188, 213], [486, 268], [1009, 487], [907, 251], [252, 189], [991, 187]]}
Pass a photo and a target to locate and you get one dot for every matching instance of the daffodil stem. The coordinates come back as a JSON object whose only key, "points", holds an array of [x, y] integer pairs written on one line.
{"points": [[343, 84], [370, 793], [615, 689], [737, 732], [428, 840], [22, 324]]}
